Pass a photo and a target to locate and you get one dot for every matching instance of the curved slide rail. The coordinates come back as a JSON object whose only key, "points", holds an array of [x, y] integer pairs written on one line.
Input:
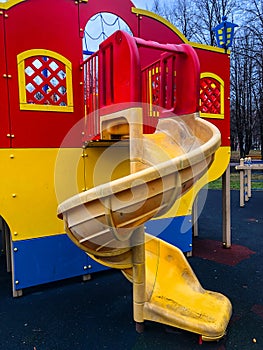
{"points": [[107, 222]]}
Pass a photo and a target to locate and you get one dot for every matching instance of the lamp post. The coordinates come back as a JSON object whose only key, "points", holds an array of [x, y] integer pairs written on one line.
{"points": [[224, 33]]}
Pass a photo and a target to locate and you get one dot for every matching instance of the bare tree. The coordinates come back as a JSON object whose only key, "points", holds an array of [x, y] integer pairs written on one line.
{"points": [[255, 28], [196, 21], [247, 81], [194, 18], [245, 95], [210, 13], [181, 13]]}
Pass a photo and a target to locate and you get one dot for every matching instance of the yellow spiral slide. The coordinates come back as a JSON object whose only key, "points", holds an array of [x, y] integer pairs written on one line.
{"points": [[107, 220]]}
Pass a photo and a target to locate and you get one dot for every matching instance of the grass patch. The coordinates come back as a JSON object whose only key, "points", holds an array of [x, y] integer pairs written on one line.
{"points": [[257, 176], [256, 183], [235, 156]]}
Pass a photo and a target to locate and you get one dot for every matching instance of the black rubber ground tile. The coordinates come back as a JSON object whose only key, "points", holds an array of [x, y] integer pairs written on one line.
{"points": [[73, 315]]}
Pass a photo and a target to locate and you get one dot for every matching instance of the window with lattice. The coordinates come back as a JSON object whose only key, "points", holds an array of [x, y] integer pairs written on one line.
{"points": [[211, 96], [45, 81]]}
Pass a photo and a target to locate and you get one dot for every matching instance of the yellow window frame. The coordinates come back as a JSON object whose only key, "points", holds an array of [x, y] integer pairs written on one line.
{"points": [[221, 115], [24, 105]]}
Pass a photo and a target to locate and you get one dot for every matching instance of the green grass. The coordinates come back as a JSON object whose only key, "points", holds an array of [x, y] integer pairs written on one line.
{"points": [[256, 183], [257, 176]]}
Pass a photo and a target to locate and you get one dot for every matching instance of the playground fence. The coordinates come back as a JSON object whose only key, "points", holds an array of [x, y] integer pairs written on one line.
{"points": [[245, 169]]}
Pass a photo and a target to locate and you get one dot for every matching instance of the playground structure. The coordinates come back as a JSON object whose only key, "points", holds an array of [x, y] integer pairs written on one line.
{"points": [[245, 169], [38, 113], [107, 221]]}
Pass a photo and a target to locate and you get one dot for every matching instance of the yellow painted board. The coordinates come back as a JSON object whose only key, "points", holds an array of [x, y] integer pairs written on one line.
{"points": [[28, 200], [34, 181], [104, 164]]}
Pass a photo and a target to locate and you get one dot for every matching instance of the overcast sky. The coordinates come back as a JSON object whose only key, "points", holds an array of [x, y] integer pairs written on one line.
{"points": [[142, 3]]}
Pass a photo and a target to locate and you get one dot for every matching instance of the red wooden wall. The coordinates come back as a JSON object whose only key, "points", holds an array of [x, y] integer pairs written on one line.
{"points": [[58, 26]]}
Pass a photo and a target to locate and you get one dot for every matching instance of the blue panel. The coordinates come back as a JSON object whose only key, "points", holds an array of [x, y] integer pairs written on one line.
{"points": [[177, 231], [52, 258], [48, 259]]}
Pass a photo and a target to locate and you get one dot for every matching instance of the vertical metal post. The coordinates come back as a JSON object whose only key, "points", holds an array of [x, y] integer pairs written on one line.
{"points": [[137, 238], [226, 208], [246, 181], [195, 217], [241, 185], [138, 256], [16, 292], [249, 178], [7, 235], [246, 185]]}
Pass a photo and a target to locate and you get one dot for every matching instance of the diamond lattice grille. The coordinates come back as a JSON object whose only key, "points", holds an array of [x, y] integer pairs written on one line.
{"points": [[45, 79], [210, 96]]}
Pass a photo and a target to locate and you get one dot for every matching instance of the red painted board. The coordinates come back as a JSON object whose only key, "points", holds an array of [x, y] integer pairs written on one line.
{"points": [[219, 63], [52, 26], [5, 131], [119, 8]]}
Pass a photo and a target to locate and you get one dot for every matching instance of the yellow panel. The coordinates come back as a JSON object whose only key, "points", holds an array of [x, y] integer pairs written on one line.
{"points": [[28, 189], [114, 161], [183, 206], [34, 181]]}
